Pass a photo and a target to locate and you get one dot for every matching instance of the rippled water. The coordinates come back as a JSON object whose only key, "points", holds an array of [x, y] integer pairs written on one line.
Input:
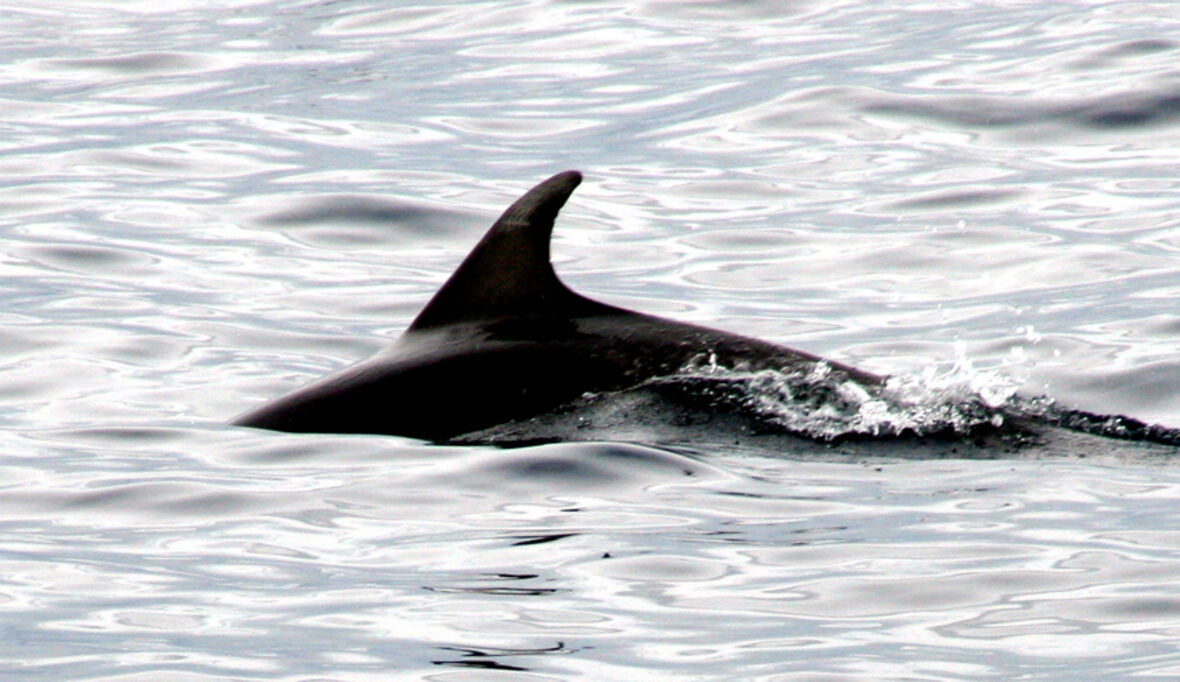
{"points": [[202, 207]]}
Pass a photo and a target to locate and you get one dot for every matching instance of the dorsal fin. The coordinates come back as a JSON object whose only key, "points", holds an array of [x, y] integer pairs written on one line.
{"points": [[508, 273]]}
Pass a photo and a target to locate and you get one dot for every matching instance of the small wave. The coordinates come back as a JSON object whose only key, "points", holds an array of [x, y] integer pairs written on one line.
{"points": [[1117, 426], [962, 402], [1117, 112]]}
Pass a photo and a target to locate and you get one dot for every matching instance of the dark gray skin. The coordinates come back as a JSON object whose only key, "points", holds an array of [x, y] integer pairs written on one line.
{"points": [[505, 340]]}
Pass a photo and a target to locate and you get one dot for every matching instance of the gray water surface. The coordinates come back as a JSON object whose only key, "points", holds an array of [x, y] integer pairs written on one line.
{"points": [[204, 206]]}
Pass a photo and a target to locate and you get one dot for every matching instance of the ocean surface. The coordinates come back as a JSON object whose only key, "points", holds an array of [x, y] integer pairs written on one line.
{"points": [[205, 205]]}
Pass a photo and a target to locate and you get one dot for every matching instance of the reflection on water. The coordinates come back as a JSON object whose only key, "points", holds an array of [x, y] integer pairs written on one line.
{"points": [[202, 207], [363, 554]]}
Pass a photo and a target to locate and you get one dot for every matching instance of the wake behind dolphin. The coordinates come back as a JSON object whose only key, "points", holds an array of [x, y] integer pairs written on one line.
{"points": [[505, 352], [505, 340]]}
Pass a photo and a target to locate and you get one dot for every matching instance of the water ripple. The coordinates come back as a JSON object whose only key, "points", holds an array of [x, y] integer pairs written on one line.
{"points": [[203, 207]]}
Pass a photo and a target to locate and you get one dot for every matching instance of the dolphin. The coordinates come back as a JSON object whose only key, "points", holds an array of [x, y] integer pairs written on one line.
{"points": [[505, 340]]}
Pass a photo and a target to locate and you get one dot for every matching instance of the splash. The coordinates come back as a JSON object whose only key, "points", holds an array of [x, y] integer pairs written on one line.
{"points": [[821, 403]]}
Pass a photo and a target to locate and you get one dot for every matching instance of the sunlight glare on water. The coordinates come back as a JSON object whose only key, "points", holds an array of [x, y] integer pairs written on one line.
{"points": [[203, 207]]}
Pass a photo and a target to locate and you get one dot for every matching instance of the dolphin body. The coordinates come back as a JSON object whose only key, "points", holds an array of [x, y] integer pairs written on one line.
{"points": [[504, 340]]}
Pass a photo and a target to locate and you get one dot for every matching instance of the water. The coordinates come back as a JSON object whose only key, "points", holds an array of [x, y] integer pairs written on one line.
{"points": [[202, 207]]}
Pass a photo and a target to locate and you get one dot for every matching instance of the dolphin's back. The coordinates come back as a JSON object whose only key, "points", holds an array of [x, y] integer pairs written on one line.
{"points": [[439, 384]]}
